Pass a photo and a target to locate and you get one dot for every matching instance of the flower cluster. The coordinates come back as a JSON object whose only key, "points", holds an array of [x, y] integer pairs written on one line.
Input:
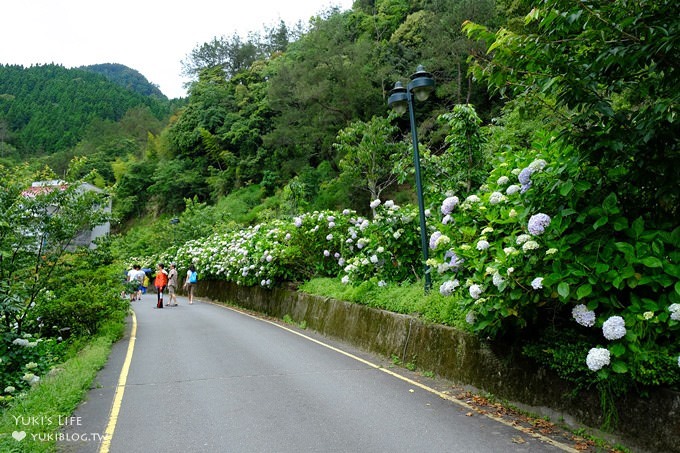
{"points": [[583, 316], [675, 312], [598, 358], [614, 328], [538, 223]]}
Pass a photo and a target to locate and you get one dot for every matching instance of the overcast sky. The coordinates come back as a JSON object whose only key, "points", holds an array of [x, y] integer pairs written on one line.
{"points": [[151, 36]]}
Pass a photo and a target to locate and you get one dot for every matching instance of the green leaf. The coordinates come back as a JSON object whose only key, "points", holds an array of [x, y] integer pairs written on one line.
{"points": [[619, 367], [651, 261], [617, 349], [565, 188], [620, 223], [638, 226], [563, 289], [609, 204], [626, 249], [583, 291], [601, 268], [600, 222], [677, 288]]}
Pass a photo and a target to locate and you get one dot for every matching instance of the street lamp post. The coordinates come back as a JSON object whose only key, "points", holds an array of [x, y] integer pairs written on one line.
{"points": [[401, 99]]}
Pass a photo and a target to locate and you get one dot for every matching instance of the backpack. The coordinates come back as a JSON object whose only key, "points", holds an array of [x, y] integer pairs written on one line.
{"points": [[193, 277]]}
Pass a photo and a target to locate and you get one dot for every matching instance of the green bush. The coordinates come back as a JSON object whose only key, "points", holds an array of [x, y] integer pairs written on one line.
{"points": [[83, 300]]}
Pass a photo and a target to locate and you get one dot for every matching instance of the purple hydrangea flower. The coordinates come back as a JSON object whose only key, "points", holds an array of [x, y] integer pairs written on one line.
{"points": [[454, 261], [538, 223], [525, 176], [449, 204], [583, 316], [433, 239]]}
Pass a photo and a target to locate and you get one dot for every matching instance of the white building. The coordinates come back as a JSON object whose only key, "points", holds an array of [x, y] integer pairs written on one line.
{"points": [[85, 238]]}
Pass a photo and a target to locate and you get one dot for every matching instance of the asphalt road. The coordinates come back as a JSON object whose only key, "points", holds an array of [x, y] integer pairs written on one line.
{"points": [[206, 378]]}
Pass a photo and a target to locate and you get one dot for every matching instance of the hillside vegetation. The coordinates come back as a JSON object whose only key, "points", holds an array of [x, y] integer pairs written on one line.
{"points": [[549, 157]]}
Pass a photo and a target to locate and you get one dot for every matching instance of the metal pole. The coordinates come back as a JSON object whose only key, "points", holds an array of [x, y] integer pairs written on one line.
{"points": [[419, 190]]}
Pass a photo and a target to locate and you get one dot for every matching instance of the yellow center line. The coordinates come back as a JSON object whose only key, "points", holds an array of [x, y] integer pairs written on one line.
{"points": [[560, 445], [120, 390]]}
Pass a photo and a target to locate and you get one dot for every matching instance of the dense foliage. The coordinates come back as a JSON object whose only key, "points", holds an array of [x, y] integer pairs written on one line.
{"points": [[48, 291], [550, 165], [48, 108], [126, 77]]}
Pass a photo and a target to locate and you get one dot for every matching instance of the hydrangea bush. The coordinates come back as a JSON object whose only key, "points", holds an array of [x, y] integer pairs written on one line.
{"points": [[541, 244], [336, 244]]}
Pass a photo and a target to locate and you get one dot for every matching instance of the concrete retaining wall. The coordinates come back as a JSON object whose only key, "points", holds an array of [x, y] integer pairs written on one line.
{"points": [[651, 422]]}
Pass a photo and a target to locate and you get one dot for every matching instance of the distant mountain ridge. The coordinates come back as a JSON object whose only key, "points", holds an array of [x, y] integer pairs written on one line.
{"points": [[45, 109], [126, 77]]}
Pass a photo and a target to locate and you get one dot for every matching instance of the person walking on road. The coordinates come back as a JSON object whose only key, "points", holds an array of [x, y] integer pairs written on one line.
{"points": [[136, 276], [160, 282], [190, 282], [172, 285]]}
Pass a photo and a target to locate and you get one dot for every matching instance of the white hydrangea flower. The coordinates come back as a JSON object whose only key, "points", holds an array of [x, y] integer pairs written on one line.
{"points": [[447, 288], [375, 203], [374, 259], [675, 312], [389, 204], [538, 165], [503, 180], [482, 245], [496, 197], [497, 279], [470, 318], [513, 189], [583, 316], [530, 245], [614, 328], [522, 238], [473, 199], [537, 283], [597, 358], [382, 283], [345, 280], [476, 291]]}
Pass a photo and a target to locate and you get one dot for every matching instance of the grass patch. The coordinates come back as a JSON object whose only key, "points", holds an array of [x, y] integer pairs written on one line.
{"points": [[407, 298], [57, 395]]}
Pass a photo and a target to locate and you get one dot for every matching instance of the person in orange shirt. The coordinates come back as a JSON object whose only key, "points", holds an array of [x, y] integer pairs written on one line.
{"points": [[161, 282]]}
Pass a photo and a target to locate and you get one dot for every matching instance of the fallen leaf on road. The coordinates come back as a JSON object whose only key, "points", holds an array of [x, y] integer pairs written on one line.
{"points": [[519, 440]]}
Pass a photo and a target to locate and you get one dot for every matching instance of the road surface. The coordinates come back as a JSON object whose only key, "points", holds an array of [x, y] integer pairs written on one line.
{"points": [[208, 378]]}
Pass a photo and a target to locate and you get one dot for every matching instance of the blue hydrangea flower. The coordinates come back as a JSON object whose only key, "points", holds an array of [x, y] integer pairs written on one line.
{"points": [[538, 223]]}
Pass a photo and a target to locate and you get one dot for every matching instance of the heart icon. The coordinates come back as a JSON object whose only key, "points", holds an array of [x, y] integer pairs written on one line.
{"points": [[19, 435]]}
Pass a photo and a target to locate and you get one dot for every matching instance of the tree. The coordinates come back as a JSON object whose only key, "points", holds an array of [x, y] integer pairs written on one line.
{"points": [[612, 69], [369, 153], [36, 229], [229, 54]]}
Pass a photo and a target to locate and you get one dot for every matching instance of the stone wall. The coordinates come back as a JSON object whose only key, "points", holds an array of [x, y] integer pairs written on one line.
{"points": [[651, 422]]}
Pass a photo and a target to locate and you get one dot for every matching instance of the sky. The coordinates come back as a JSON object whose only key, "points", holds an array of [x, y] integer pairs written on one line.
{"points": [[150, 36]]}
